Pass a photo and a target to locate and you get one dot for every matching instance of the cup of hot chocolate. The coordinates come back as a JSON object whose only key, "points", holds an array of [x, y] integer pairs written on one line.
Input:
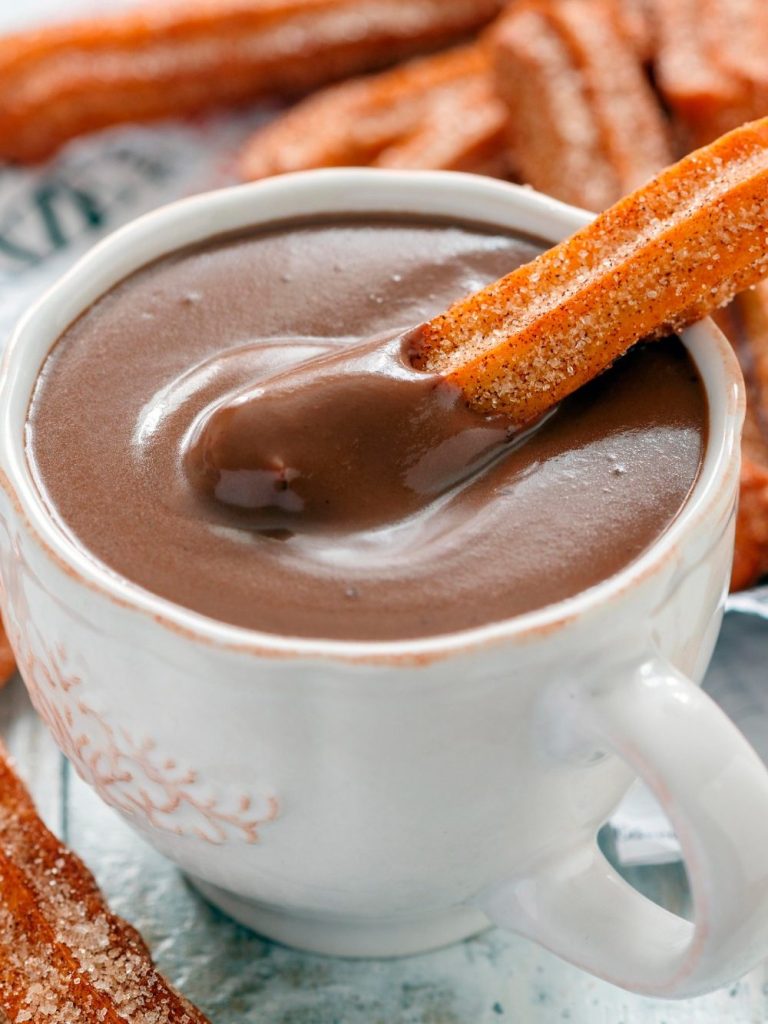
{"points": [[370, 719]]}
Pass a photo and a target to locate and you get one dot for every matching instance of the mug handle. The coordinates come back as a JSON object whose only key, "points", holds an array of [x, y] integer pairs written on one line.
{"points": [[714, 789]]}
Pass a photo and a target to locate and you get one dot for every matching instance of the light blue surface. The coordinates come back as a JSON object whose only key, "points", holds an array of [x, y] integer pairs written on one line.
{"points": [[238, 978]]}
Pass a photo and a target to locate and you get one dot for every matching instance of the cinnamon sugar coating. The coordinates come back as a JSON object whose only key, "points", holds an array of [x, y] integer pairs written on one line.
{"points": [[579, 102], [64, 957], [435, 113], [463, 129], [664, 257]]}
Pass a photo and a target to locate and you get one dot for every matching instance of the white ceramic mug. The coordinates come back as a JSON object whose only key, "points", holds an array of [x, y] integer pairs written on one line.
{"points": [[376, 799]]}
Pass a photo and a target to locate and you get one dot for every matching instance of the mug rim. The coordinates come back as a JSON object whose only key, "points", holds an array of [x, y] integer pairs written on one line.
{"points": [[206, 216]]}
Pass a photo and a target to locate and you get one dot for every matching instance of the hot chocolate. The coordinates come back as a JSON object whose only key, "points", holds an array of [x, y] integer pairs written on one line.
{"points": [[158, 450]]}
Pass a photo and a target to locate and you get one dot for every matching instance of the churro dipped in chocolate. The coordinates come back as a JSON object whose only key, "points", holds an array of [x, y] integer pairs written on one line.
{"points": [[585, 126], [668, 255], [438, 112], [63, 955], [453, 394], [167, 60]]}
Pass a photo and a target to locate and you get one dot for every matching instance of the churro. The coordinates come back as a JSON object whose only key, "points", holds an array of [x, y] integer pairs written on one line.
{"points": [[750, 310], [750, 562], [657, 261], [745, 321], [710, 63], [438, 112], [585, 125], [63, 955], [636, 23], [7, 659], [739, 40], [463, 129], [165, 60]]}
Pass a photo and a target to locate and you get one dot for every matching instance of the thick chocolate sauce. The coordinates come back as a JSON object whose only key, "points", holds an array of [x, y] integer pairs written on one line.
{"points": [[174, 435], [351, 440]]}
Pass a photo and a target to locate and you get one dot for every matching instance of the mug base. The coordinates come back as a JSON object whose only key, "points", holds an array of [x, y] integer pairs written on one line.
{"points": [[346, 937]]}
